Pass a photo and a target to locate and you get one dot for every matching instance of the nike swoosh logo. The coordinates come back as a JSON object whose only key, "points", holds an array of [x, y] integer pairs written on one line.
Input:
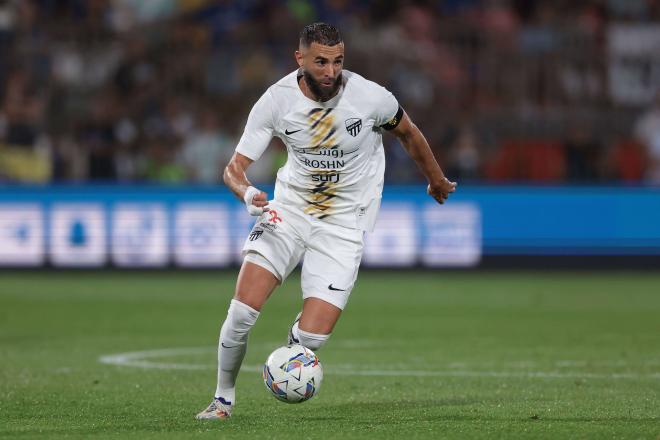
{"points": [[287, 132], [224, 346], [333, 288]]}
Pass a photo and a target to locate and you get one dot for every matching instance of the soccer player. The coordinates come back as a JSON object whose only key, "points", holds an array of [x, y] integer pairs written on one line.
{"points": [[326, 195]]}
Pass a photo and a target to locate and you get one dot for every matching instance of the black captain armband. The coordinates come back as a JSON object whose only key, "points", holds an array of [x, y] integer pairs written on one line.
{"points": [[392, 123]]}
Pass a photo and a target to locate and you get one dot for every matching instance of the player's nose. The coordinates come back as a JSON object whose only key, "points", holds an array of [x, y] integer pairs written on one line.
{"points": [[328, 71]]}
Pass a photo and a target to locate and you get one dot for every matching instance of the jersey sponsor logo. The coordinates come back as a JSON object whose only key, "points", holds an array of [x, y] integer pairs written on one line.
{"points": [[326, 177], [334, 288], [353, 126], [268, 226], [323, 164], [287, 132], [255, 234], [333, 152]]}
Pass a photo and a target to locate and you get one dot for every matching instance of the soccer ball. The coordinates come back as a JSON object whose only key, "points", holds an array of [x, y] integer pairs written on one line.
{"points": [[293, 373]]}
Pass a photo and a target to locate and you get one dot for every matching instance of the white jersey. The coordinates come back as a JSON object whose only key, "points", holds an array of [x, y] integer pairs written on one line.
{"points": [[336, 163]]}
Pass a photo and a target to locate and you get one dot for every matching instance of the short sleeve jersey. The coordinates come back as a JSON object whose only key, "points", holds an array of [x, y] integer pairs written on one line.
{"points": [[336, 163]]}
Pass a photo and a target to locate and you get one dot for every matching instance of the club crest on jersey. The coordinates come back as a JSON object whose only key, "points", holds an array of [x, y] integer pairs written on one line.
{"points": [[353, 126]]}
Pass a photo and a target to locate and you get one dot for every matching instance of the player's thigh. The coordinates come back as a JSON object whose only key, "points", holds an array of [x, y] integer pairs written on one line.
{"points": [[331, 264], [254, 285]]}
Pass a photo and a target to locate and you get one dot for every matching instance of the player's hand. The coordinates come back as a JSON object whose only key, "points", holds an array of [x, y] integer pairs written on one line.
{"points": [[256, 201], [440, 190]]}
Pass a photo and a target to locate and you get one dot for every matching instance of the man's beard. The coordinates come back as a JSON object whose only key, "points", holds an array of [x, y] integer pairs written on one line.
{"points": [[322, 94]]}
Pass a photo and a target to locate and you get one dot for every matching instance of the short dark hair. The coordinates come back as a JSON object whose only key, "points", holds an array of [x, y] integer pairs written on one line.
{"points": [[321, 33]]}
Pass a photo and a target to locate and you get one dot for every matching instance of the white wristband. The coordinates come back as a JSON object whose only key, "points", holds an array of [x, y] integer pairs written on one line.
{"points": [[250, 192]]}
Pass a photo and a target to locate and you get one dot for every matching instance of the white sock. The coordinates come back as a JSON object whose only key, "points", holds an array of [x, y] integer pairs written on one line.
{"points": [[313, 341], [232, 347]]}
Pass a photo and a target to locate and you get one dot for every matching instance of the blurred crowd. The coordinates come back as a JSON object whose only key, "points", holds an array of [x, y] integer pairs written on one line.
{"points": [[159, 90]]}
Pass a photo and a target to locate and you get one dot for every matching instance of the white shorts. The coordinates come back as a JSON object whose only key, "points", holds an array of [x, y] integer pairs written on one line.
{"points": [[331, 254]]}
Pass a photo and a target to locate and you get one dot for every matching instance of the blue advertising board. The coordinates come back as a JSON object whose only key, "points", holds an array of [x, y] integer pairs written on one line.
{"points": [[189, 226]]}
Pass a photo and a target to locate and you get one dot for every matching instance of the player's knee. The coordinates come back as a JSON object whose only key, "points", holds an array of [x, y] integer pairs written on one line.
{"points": [[240, 319], [313, 341]]}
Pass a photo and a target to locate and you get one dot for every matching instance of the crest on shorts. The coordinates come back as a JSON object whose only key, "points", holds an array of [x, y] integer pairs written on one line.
{"points": [[353, 126], [255, 234]]}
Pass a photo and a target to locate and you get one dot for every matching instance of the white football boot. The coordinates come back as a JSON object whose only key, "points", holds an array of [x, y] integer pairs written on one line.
{"points": [[291, 339], [219, 409]]}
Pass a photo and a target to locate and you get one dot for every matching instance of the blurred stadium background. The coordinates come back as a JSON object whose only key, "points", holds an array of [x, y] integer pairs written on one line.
{"points": [[116, 117]]}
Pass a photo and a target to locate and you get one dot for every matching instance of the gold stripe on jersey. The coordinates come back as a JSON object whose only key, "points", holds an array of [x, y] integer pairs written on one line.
{"points": [[321, 202], [322, 128], [316, 115], [322, 195]]}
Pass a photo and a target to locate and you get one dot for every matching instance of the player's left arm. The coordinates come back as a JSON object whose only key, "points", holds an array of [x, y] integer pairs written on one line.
{"points": [[418, 149]]}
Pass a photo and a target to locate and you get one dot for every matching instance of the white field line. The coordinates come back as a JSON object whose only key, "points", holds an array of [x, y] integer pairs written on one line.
{"points": [[140, 359], [137, 358]]}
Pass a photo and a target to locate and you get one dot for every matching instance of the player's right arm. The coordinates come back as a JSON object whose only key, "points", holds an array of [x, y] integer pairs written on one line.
{"points": [[236, 180], [256, 137]]}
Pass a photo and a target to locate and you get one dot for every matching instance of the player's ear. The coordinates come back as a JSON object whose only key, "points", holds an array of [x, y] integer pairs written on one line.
{"points": [[299, 58]]}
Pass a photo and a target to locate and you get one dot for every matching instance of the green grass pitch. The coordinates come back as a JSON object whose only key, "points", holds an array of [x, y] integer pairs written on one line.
{"points": [[416, 355]]}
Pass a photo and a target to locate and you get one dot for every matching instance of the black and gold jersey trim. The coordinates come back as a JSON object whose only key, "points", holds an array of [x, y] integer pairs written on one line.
{"points": [[318, 119], [392, 123]]}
